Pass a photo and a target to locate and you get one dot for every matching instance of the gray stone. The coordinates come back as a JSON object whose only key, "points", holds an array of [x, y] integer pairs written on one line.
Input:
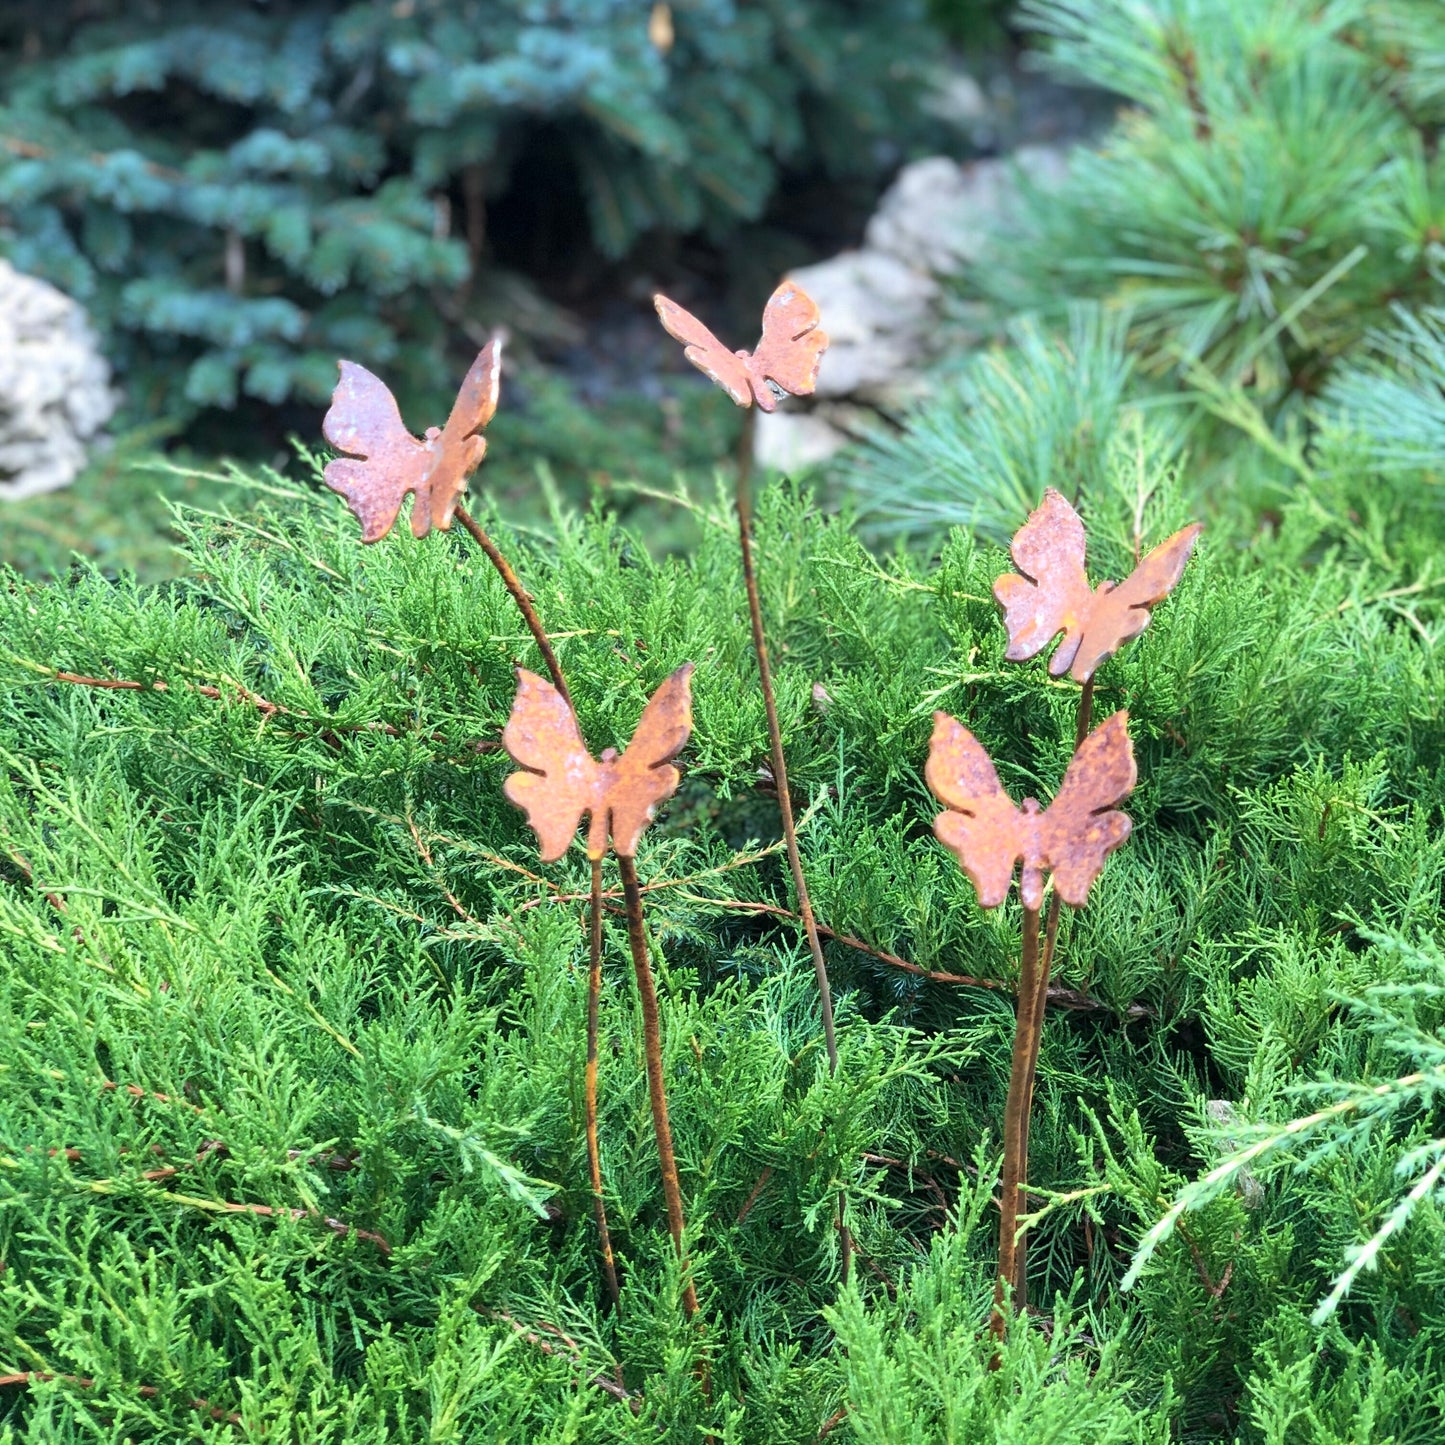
{"points": [[882, 304], [55, 393], [875, 308], [794, 441]]}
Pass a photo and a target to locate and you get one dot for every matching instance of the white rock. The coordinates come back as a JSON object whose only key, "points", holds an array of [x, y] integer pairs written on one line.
{"points": [[937, 214], [881, 305], [794, 441], [55, 393], [874, 309]]}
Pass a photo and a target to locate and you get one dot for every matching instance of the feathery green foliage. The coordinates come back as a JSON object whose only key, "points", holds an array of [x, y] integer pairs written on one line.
{"points": [[285, 892], [1271, 190]]}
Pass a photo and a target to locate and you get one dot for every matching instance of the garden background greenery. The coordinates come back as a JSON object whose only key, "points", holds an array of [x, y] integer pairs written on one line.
{"points": [[291, 1138]]}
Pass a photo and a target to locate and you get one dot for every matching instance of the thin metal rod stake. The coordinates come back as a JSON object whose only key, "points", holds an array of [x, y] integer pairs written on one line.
{"points": [[521, 597], [1083, 720], [652, 1039], [785, 801], [1015, 1132], [594, 1152]]}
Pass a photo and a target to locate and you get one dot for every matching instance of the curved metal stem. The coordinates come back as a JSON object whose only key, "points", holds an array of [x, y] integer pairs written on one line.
{"points": [[594, 1151], [657, 1092], [1015, 1127], [785, 801], [522, 598]]}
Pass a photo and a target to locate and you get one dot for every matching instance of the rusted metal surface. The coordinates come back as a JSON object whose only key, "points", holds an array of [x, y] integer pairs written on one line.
{"points": [[1053, 594], [383, 461], [785, 360], [563, 780], [1070, 838]]}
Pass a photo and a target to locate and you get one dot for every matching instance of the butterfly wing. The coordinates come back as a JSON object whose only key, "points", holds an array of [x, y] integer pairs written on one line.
{"points": [[1122, 612], [1082, 826], [981, 828], [383, 461], [1050, 592], [791, 348], [705, 351], [459, 448], [644, 775], [562, 780]]}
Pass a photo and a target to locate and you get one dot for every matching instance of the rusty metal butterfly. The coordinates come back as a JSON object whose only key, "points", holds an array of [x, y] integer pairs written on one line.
{"points": [[563, 780], [383, 461], [1053, 594], [786, 360], [1070, 838]]}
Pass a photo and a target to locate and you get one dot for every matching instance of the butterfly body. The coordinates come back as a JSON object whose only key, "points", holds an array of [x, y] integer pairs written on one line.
{"points": [[1070, 838], [784, 362], [382, 461], [1050, 593], [562, 781]]}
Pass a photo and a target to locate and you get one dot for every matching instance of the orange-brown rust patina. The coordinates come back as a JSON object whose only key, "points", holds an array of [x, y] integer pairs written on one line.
{"points": [[563, 780], [1070, 838], [786, 360], [383, 461], [1053, 594]]}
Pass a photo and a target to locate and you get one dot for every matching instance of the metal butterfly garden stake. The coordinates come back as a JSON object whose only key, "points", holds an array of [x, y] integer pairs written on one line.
{"points": [[560, 783], [1048, 595], [1070, 839], [382, 461], [784, 362]]}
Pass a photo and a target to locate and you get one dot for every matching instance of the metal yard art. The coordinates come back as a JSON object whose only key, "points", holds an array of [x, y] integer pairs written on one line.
{"points": [[785, 362], [1069, 839], [1051, 592], [382, 461], [560, 783], [1049, 595]]}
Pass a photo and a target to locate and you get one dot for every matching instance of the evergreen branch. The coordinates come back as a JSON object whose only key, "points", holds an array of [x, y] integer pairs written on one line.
{"points": [[224, 1206], [146, 1392], [611, 895], [328, 731], [569, 1351], [1364, 1256], [1223, 1175], [1062, 997]]}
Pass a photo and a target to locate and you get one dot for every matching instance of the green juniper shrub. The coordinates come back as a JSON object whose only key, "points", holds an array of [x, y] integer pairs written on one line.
{"points": [[284, 891]]}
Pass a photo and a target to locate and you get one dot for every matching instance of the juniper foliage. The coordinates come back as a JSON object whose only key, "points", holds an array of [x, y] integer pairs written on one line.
{"points": [[284, 892]]}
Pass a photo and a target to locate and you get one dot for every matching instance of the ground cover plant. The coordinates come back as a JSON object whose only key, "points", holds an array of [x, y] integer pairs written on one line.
{"points": [[271, 891], [329, 1108]]}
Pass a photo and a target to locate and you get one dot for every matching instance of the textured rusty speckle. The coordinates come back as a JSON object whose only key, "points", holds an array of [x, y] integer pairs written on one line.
{"points": [[383, 461], [563, 780], [1053, 594], [785, 360], [1070, 838]]}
